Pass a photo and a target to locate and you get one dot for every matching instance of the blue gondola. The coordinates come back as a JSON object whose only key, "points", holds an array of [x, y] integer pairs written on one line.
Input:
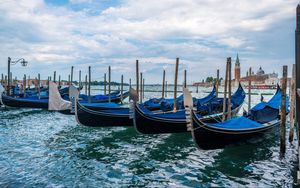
{"points": [[261, 119], [37, 102], [147, 122], [111, 117]]}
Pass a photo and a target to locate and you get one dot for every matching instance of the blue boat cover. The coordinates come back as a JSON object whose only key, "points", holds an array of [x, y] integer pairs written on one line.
{"points": [[216, 104], [209, 97], [237, 124], [261, 113], [274, 102], [167, 104], [104, 104], [180, 114]]}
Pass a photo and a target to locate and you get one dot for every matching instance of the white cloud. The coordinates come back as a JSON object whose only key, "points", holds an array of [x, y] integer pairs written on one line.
{"points": [[202, 33]]}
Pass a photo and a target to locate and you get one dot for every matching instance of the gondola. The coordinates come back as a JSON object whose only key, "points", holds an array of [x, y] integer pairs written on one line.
{"points": [[147, 122], [33, 101], [261, 119], [102, 118], [26, 102], [118, 116], [57, 103]]}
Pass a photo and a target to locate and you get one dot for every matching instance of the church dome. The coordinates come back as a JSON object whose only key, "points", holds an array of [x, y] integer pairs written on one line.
{"points": [[260, 71]]}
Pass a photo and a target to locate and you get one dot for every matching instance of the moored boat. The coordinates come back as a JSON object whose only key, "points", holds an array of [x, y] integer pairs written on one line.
{"points": [[261, 119], [147, 122], [115, 116]]}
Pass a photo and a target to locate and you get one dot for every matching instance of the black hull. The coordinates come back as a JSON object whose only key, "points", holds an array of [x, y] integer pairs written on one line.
{"points": [[117, 99], [66, 112], [91, 118], [147, 125], [93, 108], [18, 103], [206, 137], [151, 125]]}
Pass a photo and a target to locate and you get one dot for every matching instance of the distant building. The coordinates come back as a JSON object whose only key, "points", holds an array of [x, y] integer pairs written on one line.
{"points": [[260, 78], [237, 69]]}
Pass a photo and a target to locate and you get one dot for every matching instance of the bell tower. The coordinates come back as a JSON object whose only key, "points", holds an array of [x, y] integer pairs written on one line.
{"points": [[237, 69]]}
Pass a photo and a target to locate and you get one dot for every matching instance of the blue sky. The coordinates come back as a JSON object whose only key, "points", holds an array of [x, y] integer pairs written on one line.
{"points": [[53, 35]]}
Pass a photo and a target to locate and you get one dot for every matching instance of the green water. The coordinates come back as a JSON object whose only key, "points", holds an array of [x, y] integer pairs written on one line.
{"points": [[47, 149]]}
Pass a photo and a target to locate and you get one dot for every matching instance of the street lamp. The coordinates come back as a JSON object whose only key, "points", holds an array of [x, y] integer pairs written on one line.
{"points": [[10, 62]]}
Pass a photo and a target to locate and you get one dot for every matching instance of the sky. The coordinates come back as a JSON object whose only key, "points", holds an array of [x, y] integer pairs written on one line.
{"points": [[53, 35]]}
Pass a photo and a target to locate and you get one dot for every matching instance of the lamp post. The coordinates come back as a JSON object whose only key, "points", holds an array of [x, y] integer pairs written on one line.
{"points": [[10, 62]]}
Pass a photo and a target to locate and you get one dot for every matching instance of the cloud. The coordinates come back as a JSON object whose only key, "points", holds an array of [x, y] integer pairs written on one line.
{"points": [[202, 33]]}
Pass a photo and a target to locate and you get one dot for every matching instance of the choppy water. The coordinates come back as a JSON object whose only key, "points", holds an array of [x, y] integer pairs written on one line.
{"points": [[47, 149]]}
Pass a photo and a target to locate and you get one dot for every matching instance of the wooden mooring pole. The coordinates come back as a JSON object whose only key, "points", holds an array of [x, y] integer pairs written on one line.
{"points": [[225, 93], [39, 85], [59, 79], [163, 84], [104, 83], [249, 89], [292, 104], [141, 90], [137, 77], [54, 77], [297, 59], [129, 83], [79, 84], [85, 85], [109, 77], [229, 88], [217, 82], [283, 111], [122, 83], [24, 85], [184, 83], [175, 85], [72, 70], [89, 89]]}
